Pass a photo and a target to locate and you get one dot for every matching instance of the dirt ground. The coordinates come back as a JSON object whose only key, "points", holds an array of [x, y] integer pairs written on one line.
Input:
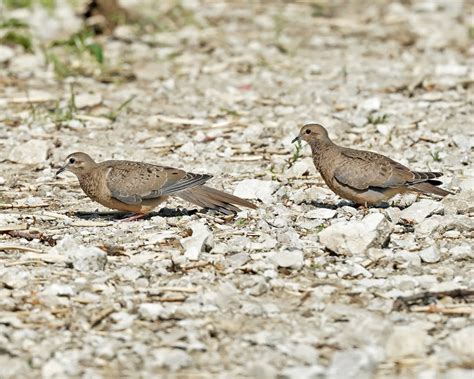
{"points": [[307, 285]]}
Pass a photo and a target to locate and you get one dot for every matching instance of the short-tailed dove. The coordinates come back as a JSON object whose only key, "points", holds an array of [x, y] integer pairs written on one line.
{"points": [[364, 177]]}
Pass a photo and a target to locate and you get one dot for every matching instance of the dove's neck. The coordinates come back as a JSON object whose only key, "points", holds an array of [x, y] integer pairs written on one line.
{"points": [[320, 149]]}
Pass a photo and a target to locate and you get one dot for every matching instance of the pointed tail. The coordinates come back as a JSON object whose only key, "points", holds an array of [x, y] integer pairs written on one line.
{"points": [[211, 198], [430, 187]]}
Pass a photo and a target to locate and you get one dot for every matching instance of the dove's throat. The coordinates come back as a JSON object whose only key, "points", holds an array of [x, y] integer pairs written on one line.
{"points": [[320, 150]]}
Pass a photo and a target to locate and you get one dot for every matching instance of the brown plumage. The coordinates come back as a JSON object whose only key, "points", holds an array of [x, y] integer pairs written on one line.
{"points": [[139, 187], [364, 177]]}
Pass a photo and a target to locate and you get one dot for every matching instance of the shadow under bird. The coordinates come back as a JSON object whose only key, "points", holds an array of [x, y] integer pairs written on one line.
{"points": [[140, 187], [364, 177]]}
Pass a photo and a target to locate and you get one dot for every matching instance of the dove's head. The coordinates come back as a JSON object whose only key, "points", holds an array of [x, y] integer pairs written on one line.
{"points": [[77, 163], [312, 132]]}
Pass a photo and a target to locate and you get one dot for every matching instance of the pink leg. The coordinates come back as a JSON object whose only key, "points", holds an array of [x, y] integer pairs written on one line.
{"points": [[136, 216]]}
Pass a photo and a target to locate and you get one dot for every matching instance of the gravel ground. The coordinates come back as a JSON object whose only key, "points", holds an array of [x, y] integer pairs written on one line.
{"points": [[307, 285]]}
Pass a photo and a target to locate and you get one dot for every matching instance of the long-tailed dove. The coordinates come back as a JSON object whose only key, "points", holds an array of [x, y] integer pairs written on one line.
{"points": [[364, 177], [139, 187]]}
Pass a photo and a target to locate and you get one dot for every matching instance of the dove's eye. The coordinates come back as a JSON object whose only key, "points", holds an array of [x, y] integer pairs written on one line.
{"points": [[308, 131], [72, 160]]}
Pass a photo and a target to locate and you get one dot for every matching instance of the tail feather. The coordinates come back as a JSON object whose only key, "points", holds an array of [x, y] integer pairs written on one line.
{"points": [[422, 176], [211, 198], [428, 187]]}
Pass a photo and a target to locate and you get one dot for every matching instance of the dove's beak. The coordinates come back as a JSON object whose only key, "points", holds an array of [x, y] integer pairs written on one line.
{"points": [[296, 139], [62, 169]]}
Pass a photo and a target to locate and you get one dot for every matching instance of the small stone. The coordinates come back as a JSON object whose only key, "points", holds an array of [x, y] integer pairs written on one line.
{"points": [[239, 259], [305, 353], [289, 259], [452, 69], [57, 289], [430, 255], [461, 252], [420, 210], [407, 258], [371, 104], [200, 240], [461, 344], [303, 372], [150, 311], [128, 273], [34, 151], [458, 373], [406, 341], [300, 168], [83, 258], [262, 370], [257, 189], [172, 359], [320, 213], [87, 100], [355, 237], [351, 364], [6, 53]]}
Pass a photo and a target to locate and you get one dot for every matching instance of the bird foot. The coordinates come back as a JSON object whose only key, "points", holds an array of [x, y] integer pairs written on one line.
{"points": [[364, 209], [136, 216]]}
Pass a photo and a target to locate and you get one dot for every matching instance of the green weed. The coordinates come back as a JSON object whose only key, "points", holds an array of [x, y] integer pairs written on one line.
{"points": [[296, 154], [114, 114], [435, 155], [14, 38], [377, 119]]}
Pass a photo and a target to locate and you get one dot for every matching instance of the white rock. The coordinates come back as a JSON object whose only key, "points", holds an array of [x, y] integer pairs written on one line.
{"points": [[320, 213], [461, 252], [57, 289], [293, 259], [371, 104], [428, 226], [303, 372], [406, 257], [83, 258], [262, 370], [2, 181], [6, 53], [172, 359], [420, 210], [128, 273], [430, 254], [309, 195], [463, 141], [33, 151], [123, 320], [452, 69], [305, 353], [150, 311], [461, 344], [201, 240], [256, 189], [87, 100], [14, 277], [466, 184], [406, 341], [88, 259], [355, 237], [300, 167], [458, 373], [351, 364]]}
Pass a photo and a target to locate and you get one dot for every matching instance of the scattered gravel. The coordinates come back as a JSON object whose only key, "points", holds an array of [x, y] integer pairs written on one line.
{"points": [[305, 286]]}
